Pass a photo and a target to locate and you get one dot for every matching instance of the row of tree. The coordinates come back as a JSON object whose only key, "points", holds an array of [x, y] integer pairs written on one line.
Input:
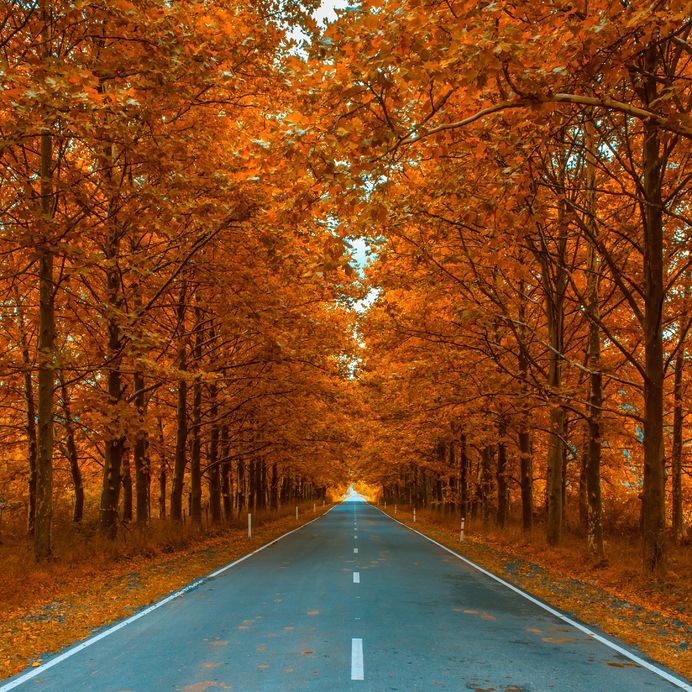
{"points": [[527, 173], [174, 305]]}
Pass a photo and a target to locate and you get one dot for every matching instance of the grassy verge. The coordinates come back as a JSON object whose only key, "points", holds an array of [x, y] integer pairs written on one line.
{"points": [[94, 582], [655, 617]]}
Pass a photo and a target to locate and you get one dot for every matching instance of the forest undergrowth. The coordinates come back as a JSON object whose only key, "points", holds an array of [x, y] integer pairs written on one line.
{"points": [[655, 617], [94, 581]]}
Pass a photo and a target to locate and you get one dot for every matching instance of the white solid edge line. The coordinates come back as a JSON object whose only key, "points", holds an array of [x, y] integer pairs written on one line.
{"points": [[102, 635], [357, 672], [582, 628]]}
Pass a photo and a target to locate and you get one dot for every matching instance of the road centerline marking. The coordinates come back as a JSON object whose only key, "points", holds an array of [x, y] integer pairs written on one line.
{"points": [[355, 550], [356, 577], [357, 670]]}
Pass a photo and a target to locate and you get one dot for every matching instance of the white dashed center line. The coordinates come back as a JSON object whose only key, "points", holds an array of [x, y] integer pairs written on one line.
{"points": [[357, 672], [355, 550], [356, 577]]}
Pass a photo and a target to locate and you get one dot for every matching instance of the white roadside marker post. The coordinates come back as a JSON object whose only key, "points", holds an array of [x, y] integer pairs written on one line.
{"points": [[461, 532], [414, 515]]}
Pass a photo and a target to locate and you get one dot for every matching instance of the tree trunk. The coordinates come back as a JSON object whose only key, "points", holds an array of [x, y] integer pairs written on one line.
{"points": [[126, 481], [240, 491], [274, 494], [463, 477], [46, 337], [679, 529], [162, 473], [196, 446], [115, 442], [653, 493], [486, 482], [181, 416], [525, 456], [213, 473], [226, 490], [555, 312], [30, 402], [502, 485], [593, 463], [583, 466], [141, 458], [72, 455]]}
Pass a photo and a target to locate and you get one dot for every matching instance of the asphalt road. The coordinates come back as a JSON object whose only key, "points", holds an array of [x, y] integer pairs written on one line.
{"points": [[352, 601]]}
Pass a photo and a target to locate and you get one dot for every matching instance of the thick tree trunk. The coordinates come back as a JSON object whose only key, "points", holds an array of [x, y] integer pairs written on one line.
{"points": [[653, 493], [593, 463], [46, 337], [115, 442]]}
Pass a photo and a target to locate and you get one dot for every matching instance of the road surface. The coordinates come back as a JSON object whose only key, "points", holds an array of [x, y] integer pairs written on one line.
{"points": [[352, 601]]}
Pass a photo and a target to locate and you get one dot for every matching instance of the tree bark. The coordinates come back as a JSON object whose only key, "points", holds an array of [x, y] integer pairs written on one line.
{"points": [[141, 457], [213, 473], [678, 528], [226, 491], [181, 416], [653, 492], [115, 442], [593, 462], [30, 402], [126, 481], [72, 455], [555, 295], [502, 484], [274, 488], [196, 446], [525, 456], [162, 473], [46, 336], [463, 477]]}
